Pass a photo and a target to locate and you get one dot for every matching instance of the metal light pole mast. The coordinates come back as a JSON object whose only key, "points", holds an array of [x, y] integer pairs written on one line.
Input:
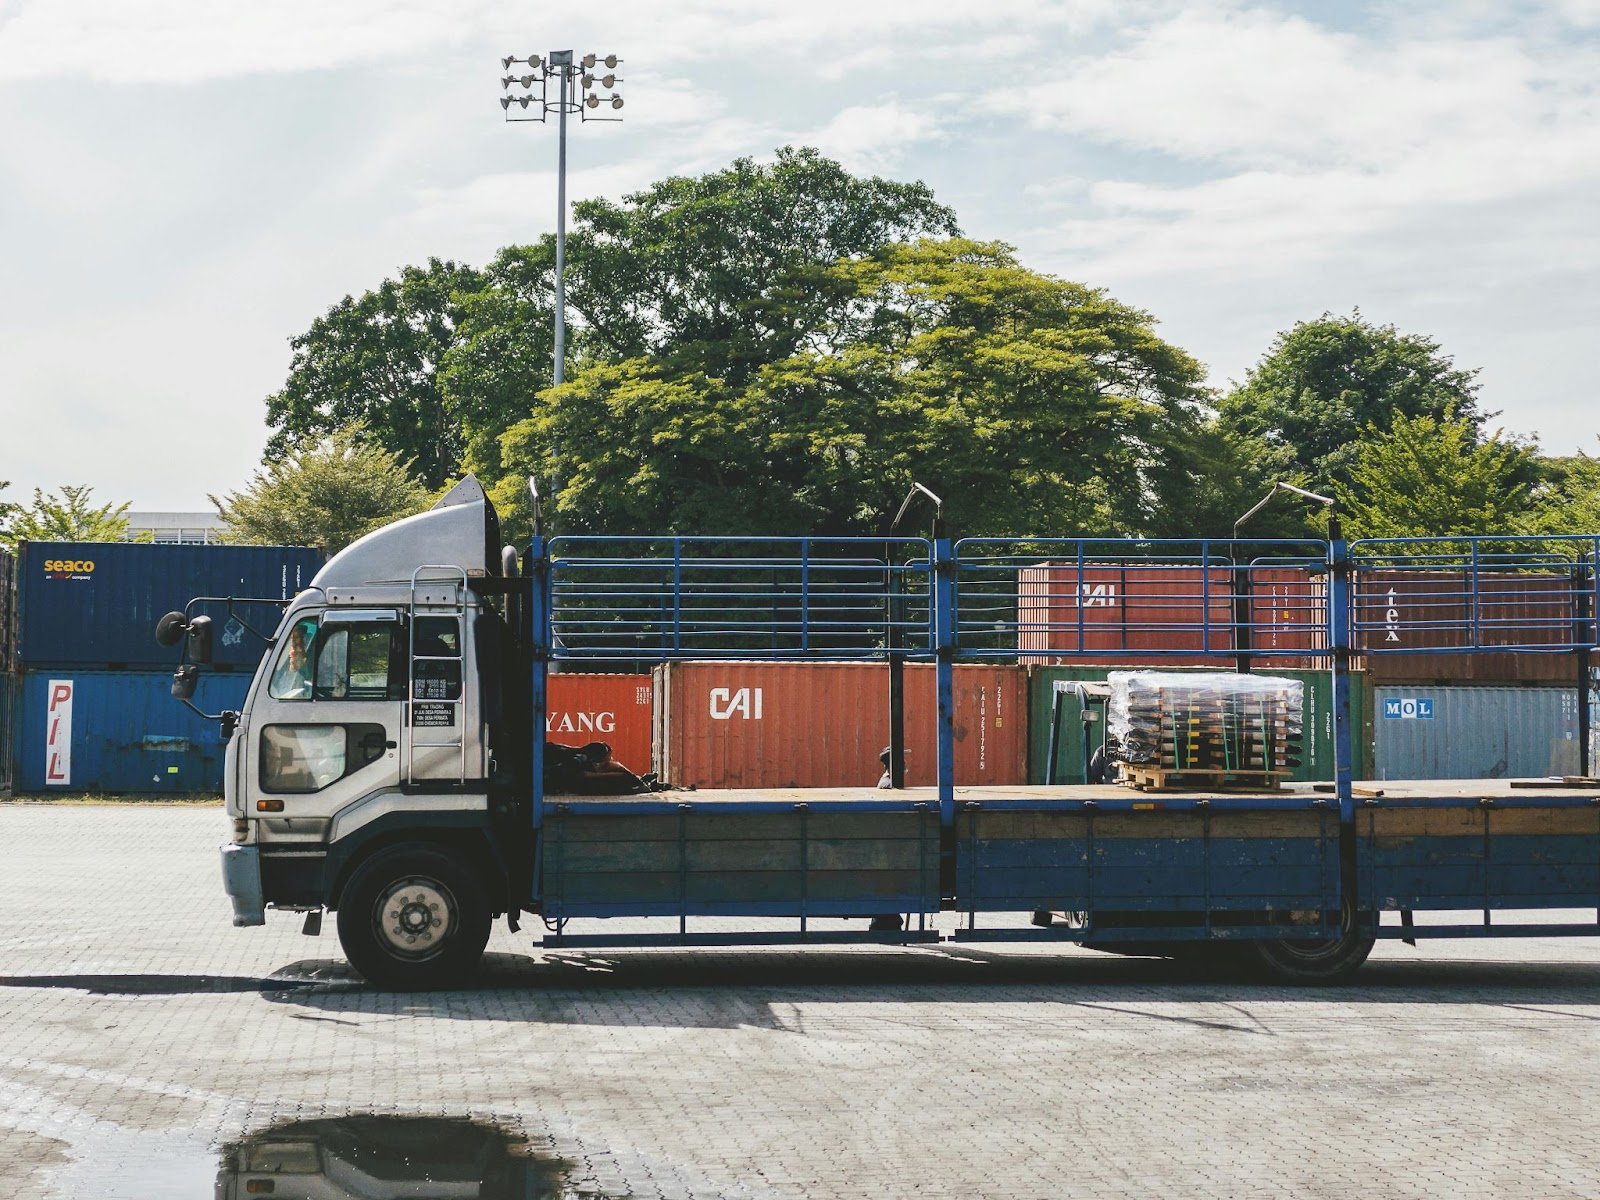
{"points": [[558, 72]]}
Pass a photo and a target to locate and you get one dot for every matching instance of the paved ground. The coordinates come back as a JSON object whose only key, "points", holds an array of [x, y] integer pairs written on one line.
{"points": [[140, 1034]]}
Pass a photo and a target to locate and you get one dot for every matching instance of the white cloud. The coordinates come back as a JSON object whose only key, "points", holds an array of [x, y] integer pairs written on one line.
{"points": [[1311, 139], [873, 137], [188, 41]]}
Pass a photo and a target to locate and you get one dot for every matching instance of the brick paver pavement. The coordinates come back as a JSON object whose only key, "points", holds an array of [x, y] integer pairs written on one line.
{"points": [[139, 1032]]}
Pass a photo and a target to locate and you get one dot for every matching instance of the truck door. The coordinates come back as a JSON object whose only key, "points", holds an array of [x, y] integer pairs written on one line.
{"points": [[327, 729]]}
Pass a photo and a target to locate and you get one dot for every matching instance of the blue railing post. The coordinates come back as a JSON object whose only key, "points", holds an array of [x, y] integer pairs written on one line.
{"points": [[944, 637], [1339, 588], [541, 641]]}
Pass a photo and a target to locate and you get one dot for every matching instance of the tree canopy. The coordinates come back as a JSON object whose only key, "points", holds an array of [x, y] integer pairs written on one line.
{"points": [[67, 515], [1027, 401], [326, 494], [1325, 383], [1426, 477], [376, 360], [785, 346]]}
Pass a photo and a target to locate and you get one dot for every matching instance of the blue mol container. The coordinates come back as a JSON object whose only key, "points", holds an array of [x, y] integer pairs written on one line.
{"points": [[96, 604], [120, 732]]}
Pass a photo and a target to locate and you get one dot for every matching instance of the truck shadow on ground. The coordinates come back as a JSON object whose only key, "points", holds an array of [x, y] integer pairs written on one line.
{"points": [[708, 989], [725, 988]]}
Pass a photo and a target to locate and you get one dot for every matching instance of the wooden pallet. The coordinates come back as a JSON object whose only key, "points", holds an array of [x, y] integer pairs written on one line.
{"points": [[1143, 777]]}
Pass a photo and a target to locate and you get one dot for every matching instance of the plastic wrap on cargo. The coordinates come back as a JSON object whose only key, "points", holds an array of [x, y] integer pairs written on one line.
{"points": [[1211, 722]]}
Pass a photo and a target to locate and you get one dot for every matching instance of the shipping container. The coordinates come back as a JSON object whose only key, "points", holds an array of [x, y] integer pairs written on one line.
{"points": [[1430, 609], [1316, 760], [1129, 612], [821, 724], [120, 732], [96, 604], [614, 709], [1475, 732]]}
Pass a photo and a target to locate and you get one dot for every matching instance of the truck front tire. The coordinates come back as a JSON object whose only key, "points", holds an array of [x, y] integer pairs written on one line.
{"points": [[414, 917]]}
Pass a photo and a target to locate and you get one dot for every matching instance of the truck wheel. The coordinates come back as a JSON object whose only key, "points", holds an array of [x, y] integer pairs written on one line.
{"points": [[414, 918], [1316, 960]]}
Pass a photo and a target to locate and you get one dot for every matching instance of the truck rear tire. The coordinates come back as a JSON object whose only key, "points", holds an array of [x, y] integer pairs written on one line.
{"points": [[414, 918], [1315, 960]]}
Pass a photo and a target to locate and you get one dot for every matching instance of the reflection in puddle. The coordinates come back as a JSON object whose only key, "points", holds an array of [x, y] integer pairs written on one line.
{"points": [[384, 1158]]}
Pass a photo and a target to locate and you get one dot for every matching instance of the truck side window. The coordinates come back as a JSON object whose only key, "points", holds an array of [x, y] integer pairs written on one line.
{"points": [[291, 678], [354, 663], [436, 659]]}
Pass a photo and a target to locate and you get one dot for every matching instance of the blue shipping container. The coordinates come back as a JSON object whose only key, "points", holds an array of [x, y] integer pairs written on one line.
{"points": [[96, 604], [120, 731]]}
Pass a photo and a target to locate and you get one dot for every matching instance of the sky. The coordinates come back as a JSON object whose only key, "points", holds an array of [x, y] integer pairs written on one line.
{"points": [[186, 184]]}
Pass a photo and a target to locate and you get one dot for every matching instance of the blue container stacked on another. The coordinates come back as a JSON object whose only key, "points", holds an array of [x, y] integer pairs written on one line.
{"points": [[95, 711]]}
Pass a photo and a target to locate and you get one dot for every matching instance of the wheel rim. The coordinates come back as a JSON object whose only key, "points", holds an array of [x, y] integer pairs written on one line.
{"points": [[415, 918], [1317, 950]]}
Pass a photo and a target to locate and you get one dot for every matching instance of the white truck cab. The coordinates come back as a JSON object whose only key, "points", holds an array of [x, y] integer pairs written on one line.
{"points": [[372, 770]]}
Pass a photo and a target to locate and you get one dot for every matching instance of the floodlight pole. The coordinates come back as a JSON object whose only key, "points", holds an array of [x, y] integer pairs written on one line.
{"points": [[568, 74], [560, 373]]}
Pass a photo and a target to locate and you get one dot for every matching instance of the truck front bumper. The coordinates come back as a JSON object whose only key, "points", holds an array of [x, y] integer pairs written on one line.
{"points": [[241, 879]]}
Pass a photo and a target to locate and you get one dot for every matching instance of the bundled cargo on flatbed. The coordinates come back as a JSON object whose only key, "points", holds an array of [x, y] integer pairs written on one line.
{"points": [[1204, 728]]}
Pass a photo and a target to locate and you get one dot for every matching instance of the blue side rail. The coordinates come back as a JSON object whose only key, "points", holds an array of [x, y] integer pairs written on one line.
{"points": [[1249, 602]]}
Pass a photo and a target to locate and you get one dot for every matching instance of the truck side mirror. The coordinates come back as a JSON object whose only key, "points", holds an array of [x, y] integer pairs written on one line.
{"points": [[171, 628], [184, 680], [199, 635]]}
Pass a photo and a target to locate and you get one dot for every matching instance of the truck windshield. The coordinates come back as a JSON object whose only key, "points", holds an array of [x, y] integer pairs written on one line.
{"points": [[291, 678]]}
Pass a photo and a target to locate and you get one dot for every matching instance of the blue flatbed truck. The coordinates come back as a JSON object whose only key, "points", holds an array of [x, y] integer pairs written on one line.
{"points": [[389, 762]]}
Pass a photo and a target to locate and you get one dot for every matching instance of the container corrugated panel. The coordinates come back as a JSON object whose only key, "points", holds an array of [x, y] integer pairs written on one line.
{"points": [[1179, 615], [1398, 609], [120, 732], [1475, 732], [8, 600], [614, 709], [1316, 760], [8, 730], [762, 724], [96, 604]]}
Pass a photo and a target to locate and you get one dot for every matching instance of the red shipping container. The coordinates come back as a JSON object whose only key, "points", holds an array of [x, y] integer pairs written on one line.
{"points": [[775, 725], [614, 709], [1163, 614], [1399, 609]]}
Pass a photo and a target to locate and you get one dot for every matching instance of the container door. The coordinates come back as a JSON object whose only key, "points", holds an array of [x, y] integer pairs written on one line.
{"points": [[326, 728]]}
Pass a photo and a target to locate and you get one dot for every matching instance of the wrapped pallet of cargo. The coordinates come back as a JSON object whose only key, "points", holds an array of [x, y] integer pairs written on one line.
{"points": [[1204, 729]]}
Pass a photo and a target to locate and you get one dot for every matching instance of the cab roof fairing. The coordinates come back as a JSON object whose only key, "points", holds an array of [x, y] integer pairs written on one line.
{"points": [[462, 530]]}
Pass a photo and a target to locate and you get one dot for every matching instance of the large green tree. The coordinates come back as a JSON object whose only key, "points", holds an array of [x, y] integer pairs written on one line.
{"points": [[1426, 477], [66, 515], [1325, 383], [375, 359], [1031, 404], [325, 493], [718, 275]]}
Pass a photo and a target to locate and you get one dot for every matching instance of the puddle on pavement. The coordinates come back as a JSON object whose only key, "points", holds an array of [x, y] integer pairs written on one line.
{"points": [[377, 1158]]}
